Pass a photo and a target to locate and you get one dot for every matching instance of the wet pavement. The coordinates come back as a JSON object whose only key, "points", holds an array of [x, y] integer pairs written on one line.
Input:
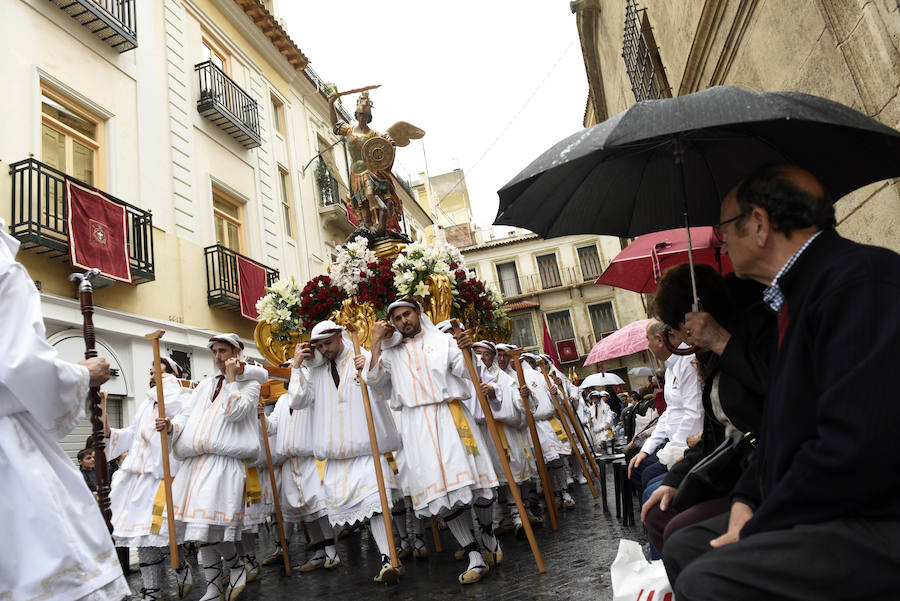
{"points": [[577, 557]]}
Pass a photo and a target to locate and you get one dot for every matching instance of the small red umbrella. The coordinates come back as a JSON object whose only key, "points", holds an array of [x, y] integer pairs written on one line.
{"points": [[640, 265]]}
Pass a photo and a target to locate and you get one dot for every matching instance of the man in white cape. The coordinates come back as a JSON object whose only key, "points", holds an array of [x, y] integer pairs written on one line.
{"points": [[138, 483], [448, 463], [56, 542], [567, 393], [324, 379], [214, 434]]}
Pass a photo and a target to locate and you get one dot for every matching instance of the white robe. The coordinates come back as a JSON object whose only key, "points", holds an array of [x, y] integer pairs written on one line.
{"points": [[56, 545], [302, 495], [214, 438], [136, 482], [341, 437], [426, 373], [551, 443]]}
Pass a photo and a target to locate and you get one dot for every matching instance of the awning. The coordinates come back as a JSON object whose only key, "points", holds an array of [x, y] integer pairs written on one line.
{"points": [[521, 305]]}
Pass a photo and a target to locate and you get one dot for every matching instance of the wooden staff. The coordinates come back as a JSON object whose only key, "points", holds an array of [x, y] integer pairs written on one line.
{"points": [[563, 419], [582, 436], [284, 545], [501, 454], [164, 445], [535, 442], [436, 535], [376, 454], [98, 441]]}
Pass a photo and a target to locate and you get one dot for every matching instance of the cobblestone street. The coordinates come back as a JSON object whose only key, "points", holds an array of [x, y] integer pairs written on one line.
{"points": [[577, 557]]}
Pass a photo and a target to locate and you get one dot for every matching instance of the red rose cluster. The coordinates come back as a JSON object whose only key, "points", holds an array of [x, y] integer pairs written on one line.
{"points": [[318, 302], [376, 285], [471, 292]]}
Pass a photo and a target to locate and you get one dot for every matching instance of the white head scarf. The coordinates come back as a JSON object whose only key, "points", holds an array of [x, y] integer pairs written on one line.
{"points": [[231, 339], [172, 365], [321, 331]]}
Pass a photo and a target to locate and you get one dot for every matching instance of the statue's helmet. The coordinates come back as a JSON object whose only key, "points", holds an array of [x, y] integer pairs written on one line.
{"points": [[364, 105]]}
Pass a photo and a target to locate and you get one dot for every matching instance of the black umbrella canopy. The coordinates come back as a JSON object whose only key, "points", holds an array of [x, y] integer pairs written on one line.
{"points": [[622, 177]]}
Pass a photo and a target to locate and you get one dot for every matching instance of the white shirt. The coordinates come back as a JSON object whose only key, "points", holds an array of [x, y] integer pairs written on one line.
{"points": [[684, 405]]}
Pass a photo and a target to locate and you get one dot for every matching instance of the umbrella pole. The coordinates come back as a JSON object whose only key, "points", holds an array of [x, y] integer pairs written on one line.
{"points": [[679, 160]]}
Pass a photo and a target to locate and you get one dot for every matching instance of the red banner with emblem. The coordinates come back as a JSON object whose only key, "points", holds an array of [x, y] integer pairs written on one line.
{"points": [[251, 286], [97, 233]]}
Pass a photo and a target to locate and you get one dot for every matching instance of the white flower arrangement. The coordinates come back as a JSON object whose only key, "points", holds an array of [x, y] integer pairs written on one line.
{"points": [[352, 259], [280, 307], [420, 260]]}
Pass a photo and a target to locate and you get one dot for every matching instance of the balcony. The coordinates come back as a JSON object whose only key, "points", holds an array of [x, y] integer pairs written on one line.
{"points": [[331, 210], [113, 21], [224, 103], [40, 217], [222, 277], [529, 285]]}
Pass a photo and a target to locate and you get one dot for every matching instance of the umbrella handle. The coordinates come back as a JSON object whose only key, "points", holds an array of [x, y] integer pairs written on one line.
{"points": [[681, 352]]}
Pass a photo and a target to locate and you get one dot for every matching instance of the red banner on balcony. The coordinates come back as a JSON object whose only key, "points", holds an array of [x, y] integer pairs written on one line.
{"points": [[251, 286], [568, 350], [97, 233]]}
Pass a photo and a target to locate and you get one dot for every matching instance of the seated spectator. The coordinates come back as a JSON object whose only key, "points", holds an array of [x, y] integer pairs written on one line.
{"points": [[817, 513], [734, 359]]}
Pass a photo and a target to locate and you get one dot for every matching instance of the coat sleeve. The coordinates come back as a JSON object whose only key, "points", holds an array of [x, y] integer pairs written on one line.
{"points": [[240, 402], [120, 439], [854, 333]]}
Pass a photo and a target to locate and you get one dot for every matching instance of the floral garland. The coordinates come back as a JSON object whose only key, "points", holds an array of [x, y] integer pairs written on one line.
{"points": [[486, 301], [419, 261], [352, 259], [318, 300], [280, 307], [375, 286]]}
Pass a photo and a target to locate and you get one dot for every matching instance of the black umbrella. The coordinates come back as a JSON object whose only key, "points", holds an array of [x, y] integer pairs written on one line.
{"points": [[644, 169]]}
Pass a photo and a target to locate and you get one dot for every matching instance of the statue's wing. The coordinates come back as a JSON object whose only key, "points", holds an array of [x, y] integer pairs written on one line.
{"points": [[402, 132]]}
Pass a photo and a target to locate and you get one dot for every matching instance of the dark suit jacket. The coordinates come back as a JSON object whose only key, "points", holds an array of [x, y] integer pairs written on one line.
{"points": [[828, 444]]}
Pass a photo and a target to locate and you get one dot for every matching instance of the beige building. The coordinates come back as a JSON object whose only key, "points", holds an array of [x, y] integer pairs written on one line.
{"points": [[554, 279], [446, 198], [202, 118], [845, 50]]}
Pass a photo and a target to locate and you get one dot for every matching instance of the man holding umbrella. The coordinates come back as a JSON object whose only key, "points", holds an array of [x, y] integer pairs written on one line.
{"points": [[817, 487]]}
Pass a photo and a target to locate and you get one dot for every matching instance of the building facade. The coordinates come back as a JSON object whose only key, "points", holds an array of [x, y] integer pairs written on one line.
{"points": [[553, 280], [845, 50], [204, 119]]}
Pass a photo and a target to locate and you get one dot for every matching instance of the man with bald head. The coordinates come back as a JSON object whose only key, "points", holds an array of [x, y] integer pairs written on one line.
{"points": [[817, 513]]}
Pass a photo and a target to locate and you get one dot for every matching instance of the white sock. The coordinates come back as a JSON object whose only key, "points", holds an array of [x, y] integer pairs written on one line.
{"points": [[484, 513], [461, 528], [376, 527], [228, 551], [327, 536], [288, 533], [151, 562], [210, 563]]}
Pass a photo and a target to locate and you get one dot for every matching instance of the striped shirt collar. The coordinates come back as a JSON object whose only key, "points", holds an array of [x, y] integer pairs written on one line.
{"points": [[773, 295]]}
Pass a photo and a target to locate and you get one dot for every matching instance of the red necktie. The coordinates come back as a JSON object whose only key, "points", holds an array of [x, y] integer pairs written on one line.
{"points": [[335, 375], [219, 379], [783, 320]]}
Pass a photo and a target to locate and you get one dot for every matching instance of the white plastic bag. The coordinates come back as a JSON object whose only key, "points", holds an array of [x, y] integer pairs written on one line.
{"points": [[636, 579]]}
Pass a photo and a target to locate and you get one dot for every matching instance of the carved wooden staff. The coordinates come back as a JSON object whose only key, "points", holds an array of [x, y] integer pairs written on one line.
{"points": [[501, 454], [101, 469], [284, 545], [376, 454], [535, 442], [564, 419], [164, 445]]}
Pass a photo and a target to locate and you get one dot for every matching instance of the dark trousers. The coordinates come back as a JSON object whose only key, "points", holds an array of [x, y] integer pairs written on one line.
{"points": [[662, 524], [649, 469], [850, 558]]}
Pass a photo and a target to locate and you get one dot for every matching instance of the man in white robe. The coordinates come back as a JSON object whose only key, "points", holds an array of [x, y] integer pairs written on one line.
{"points": [[137, 483], [213, 435], [566, 393], [506, 405], [554, 442], [302, 494], [324, 379], [449, 467], [56, 545]]}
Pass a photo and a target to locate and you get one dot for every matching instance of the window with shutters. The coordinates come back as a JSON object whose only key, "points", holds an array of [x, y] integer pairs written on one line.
{"points": [[603, 319], [228, 218], [589, 259], [508, 276], [70, 137], [287, 211], [560, 324], [522, 330], [549, 271]]}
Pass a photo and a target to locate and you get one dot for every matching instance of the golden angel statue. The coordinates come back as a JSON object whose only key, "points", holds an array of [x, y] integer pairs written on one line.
{"points": [[372, 194]]}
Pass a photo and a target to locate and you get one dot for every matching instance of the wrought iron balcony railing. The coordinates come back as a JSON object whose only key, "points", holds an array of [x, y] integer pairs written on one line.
{"points": [[113, 21], [40, 209], [224, 103], [222, 289]]}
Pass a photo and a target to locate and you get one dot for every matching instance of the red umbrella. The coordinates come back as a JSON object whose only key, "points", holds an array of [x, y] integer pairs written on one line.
{"points": [[639, 266], [624, 341]]}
